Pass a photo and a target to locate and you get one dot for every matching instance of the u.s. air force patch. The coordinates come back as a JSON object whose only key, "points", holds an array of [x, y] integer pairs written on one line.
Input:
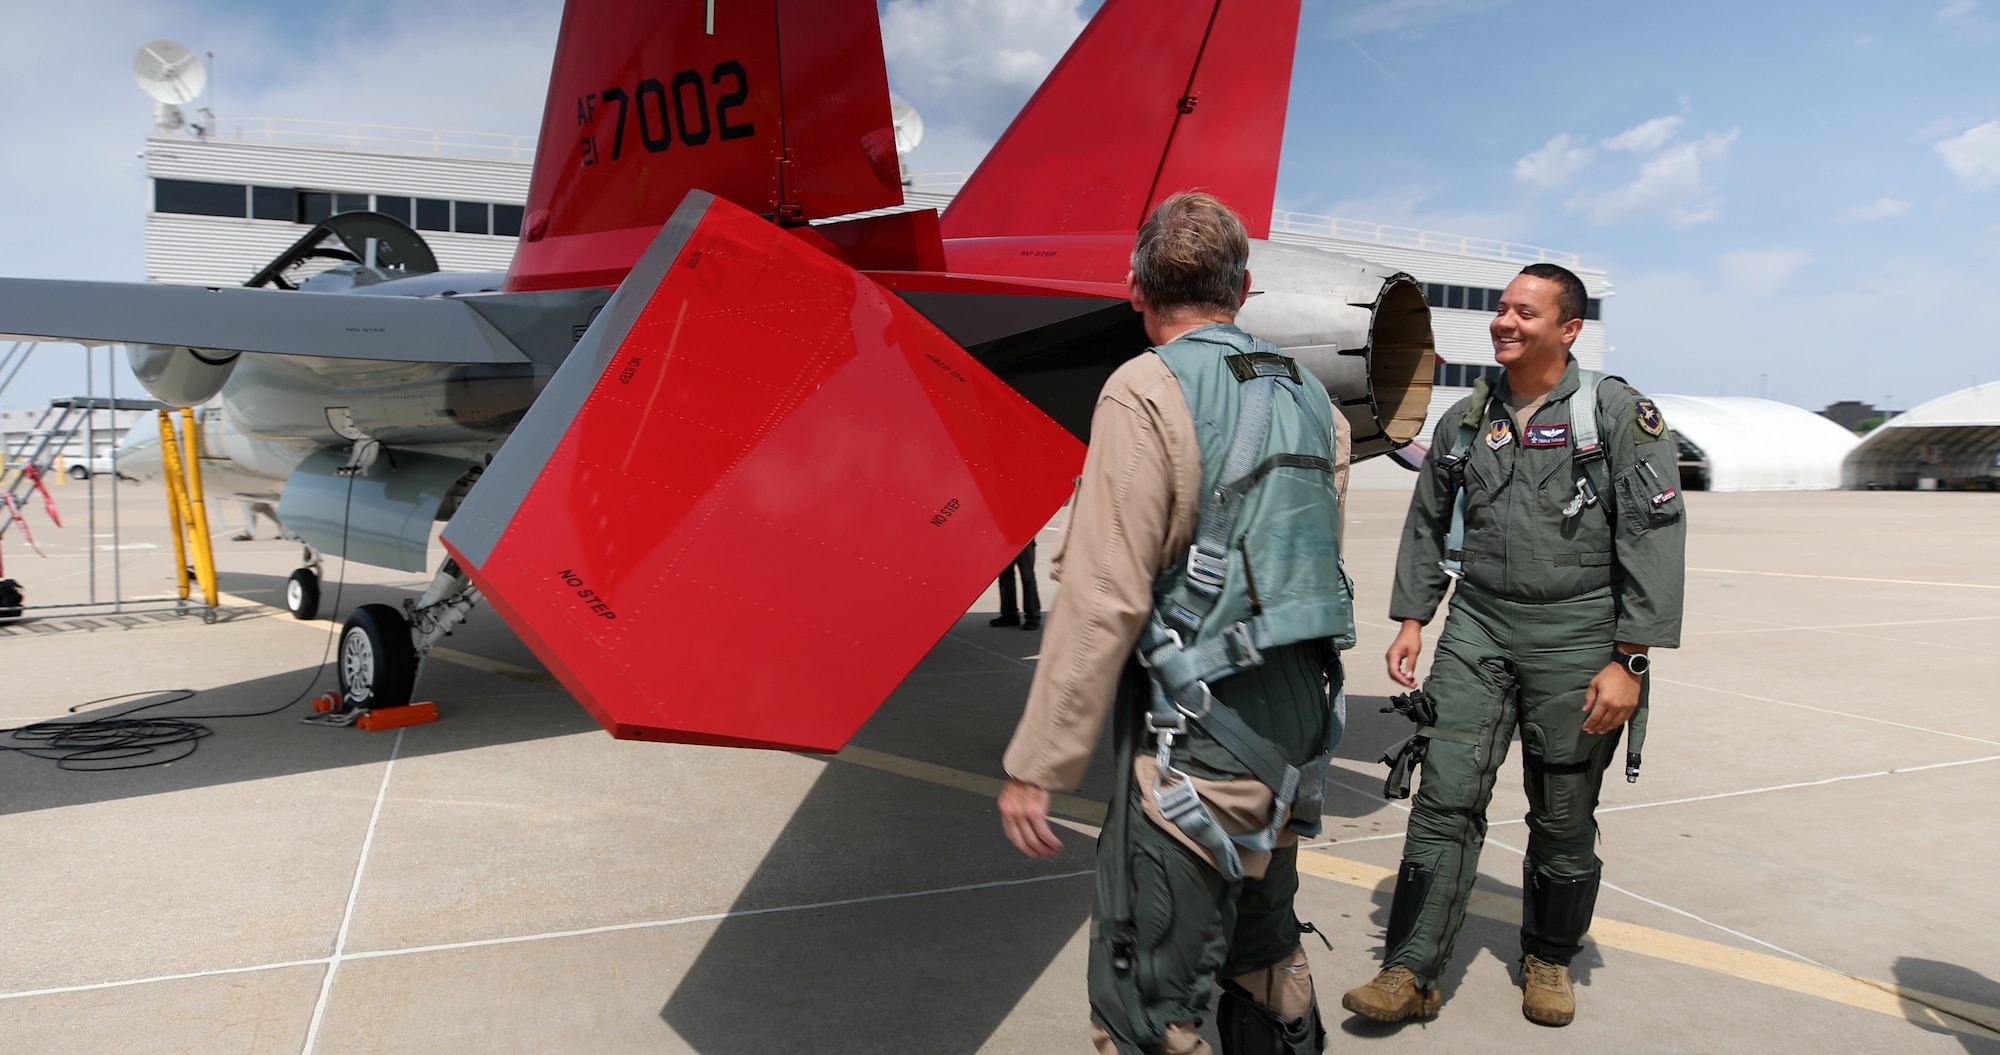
{"points": [[1650, 422], [1499, 434]]}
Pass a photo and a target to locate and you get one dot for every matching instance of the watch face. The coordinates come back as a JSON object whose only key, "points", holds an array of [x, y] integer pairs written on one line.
{"points": [[1636, 662]]}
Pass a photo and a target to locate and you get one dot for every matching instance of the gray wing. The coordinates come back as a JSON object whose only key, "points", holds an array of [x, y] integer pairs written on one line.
{"points": [[283, 322]]}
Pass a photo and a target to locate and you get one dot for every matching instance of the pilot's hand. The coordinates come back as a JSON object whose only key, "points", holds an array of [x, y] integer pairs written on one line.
{"points": [[1024, 815], [1612, 697], [1403, 653]]}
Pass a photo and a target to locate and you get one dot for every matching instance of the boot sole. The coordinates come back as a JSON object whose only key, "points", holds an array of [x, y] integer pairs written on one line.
{"points": [[1547, 1018], [1428, 1009]]}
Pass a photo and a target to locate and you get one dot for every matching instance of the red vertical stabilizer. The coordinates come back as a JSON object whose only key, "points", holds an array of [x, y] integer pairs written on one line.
{"points": [[1156, 96], [755, 495], [780, 106]]}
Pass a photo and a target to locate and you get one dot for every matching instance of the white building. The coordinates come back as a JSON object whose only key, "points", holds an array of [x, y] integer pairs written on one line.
{"points": [[226, 204]]}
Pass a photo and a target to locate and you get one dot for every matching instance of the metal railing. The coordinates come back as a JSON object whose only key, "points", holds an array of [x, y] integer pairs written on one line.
{"points": [[1416, 238], [401, 138], [1287, 222]]}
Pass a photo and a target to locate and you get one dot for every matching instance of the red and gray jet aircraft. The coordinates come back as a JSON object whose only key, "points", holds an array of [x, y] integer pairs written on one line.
{"points": [[708, 412]]}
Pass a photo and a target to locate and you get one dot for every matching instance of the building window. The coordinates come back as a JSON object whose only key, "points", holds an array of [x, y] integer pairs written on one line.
{"points": [[199, 199], [507, 220], [397, 207], [273, 203], [1480, 298], [350, 203], [433, 215], [469, 217], [314, 206], [1462, 375]]}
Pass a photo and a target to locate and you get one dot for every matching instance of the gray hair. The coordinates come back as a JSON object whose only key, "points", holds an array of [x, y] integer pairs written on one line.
{"points": [[1191, 253]]}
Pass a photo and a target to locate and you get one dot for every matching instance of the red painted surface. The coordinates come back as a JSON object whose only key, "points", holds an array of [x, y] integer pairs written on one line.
{"points": [[781, 493], [1105, 138], [810, 136]]}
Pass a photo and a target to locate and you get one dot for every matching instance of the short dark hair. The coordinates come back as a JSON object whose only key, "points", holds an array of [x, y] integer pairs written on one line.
{"points": [[1570, 294], [1191, 253]]}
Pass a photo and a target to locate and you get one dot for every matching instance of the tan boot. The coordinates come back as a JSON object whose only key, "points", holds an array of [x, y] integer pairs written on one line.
{"points": [[1546, 996], [1393, 996]]}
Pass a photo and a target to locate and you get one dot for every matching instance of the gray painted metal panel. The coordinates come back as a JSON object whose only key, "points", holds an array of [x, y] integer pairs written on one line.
{"points": [[231, 319], [484, 514], [382, 517]]}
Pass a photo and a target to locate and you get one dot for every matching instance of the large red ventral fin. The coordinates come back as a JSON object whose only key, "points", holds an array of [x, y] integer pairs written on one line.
{"points": [[1155, 97], [756, 493], [781, 106]]}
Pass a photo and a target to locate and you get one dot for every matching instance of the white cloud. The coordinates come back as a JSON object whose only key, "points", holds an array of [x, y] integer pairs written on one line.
{"points": [[1558, 162], [1761, 272], [1868, 212], [1974, 156], [1647, 137], [975, 61], [1392, 16], [1669, 186], [1955, 10]]}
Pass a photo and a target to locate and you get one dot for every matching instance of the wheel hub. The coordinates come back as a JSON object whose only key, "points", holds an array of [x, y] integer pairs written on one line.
{"points": [[357, 665]]}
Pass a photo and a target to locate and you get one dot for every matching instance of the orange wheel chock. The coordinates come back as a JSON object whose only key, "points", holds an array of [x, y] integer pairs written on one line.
{"points": [[395, 717]]}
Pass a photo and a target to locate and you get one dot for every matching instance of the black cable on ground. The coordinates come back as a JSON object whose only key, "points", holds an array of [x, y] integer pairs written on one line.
{"points": [[120, 741]]}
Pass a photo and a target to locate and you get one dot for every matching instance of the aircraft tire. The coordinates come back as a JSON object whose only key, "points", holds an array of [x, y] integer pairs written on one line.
{"points": [[377, 662], [10, 599], [302, 594]]}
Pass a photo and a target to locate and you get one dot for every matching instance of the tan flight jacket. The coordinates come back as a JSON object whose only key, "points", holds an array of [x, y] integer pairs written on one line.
{"points": [[1133, 515]]}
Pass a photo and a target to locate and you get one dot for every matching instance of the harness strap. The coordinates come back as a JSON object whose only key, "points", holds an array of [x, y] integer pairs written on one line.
{"points": [[1208, 558], [1554, 769], [1454, 464]]}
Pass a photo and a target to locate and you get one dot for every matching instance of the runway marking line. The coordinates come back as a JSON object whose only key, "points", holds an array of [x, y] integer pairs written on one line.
{"points": [[1809, 979], [1849, 578], [1806, 978]]}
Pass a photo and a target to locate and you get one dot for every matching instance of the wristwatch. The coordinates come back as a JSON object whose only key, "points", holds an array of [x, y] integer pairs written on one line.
{"points": [[1637, 663]]}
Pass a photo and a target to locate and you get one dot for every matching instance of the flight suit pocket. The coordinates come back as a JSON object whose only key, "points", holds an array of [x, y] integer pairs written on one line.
{"points": [[1644, 498]]}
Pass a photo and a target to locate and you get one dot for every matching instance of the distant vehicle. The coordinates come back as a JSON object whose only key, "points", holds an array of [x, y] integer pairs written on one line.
{"points": [[82, 469]]}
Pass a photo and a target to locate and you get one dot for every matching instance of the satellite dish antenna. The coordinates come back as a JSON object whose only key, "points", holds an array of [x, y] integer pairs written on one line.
{"points": [[909, 124], [170, 72]]}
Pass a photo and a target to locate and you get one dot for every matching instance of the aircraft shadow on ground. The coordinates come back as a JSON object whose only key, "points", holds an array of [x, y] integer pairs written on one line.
{"points": [[937, 974], [932, 974], [1949, 980], [275, 745]]}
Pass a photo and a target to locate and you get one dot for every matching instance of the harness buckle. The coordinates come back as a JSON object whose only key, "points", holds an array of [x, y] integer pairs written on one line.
{"points": [[1586, 495], [1453, 463], [1207, 570], [1242, 650], [1207, 704]]}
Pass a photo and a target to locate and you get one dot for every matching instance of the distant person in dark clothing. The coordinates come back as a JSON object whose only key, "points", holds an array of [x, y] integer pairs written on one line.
{"points": [[1031, 599]]}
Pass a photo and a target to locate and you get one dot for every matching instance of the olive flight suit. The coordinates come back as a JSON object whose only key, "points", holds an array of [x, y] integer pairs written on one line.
{"points": [[1543, 599]]}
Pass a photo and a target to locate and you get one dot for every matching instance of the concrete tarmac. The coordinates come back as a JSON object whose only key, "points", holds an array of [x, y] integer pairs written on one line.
{"points": [[1806, 865]]}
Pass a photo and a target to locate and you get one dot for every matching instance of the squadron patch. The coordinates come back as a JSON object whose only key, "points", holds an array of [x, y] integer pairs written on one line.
{"points": [[1499, 434], [1546, 436], [1649, 421]]}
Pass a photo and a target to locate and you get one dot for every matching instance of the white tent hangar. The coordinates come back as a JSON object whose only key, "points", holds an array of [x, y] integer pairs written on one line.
{"points": [[1952, 441], [1735, 443]]}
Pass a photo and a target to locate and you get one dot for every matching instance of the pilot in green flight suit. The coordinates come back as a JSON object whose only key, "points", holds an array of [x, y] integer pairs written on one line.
{"points": [[1567, 574]]}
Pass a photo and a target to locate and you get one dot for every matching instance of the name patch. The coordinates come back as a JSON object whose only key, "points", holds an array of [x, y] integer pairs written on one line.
{"points": [[1547, 436]]}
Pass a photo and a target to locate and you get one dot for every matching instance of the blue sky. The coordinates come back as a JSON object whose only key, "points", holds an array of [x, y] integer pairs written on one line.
{"points": [[1798, 198]]}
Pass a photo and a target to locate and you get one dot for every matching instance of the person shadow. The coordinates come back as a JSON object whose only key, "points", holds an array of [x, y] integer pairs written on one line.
{"points": [[1940, 997]]}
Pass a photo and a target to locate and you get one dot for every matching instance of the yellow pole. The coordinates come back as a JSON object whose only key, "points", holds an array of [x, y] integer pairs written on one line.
{"points": [[62, 470], [204, 546], [170, 471]]}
